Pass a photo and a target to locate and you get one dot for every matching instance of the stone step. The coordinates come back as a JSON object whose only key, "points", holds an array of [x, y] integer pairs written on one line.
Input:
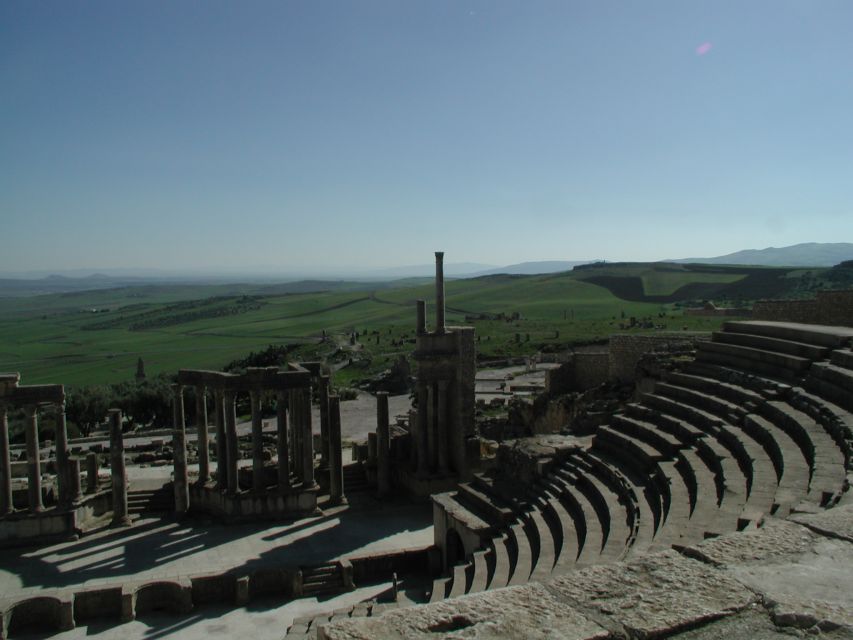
{"points": [[459, 580], [666, 443], [777, 345], [593, 534], [744, 359], [488, 506], [842, 358], [705, 400], [797, 332], [546, 554], [503, 563], [480, 577], [439, 589], [523, 565], [732, 392], [568, 539]]}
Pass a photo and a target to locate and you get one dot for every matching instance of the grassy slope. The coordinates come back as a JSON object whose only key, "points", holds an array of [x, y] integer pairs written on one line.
{"points": [[43, 336]]}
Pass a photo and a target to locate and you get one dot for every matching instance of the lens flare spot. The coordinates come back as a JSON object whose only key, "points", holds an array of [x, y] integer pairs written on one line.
{"points": [[703, 48]]}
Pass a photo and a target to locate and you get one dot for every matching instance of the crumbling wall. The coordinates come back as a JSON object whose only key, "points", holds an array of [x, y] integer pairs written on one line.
{"points": [[828, 307], [627, 350]]}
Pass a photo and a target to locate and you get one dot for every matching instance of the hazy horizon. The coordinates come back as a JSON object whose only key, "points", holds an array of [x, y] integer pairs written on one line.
{"points": [[320, 136]]}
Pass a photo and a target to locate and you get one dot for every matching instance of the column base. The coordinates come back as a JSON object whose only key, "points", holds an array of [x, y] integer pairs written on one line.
{"points": [[124, 521]]}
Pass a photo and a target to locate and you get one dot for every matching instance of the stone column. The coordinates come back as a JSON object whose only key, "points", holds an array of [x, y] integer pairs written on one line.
{"points": [[6, 505], [221, 439], [92, 472], [307, 439], [293, 427], [121, 518], [383, 445], [432, 435], [179, 448], [202, 441], [33, 462], [423, 430], [324, 421], [257, 441], [281, 443], [421, 326], [75, 493], [336, 461], [439, 292], [442, 427], [62, 456], [233, 454]]}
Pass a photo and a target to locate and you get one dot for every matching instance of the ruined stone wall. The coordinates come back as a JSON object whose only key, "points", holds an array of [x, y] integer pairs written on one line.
{"points": [[584, 370], [626, 350], [828, 307]]}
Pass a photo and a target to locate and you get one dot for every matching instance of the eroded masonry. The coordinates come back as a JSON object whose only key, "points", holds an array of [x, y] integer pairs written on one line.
{"points": [[642, 515]]}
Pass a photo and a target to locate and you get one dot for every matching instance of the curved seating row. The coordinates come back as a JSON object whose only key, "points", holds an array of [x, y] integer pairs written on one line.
{"points": [[759, 424]]}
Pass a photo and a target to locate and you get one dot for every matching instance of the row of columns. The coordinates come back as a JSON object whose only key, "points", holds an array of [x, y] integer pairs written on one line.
{"points": [[431, 429], [295, 445], [65, 465]]}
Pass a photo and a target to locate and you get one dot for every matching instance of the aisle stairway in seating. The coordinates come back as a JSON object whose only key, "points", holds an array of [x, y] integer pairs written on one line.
{"points": [[760, 423]]}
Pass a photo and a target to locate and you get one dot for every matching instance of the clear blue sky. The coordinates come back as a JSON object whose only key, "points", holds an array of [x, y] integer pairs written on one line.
{"points": [[280, 134]]}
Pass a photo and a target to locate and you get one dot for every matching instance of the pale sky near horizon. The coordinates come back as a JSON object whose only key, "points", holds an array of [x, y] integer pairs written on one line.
{"points": [[178, 135]]}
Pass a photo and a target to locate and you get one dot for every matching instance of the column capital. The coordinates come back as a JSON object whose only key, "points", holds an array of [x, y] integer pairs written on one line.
{"points": [[31, 410]]}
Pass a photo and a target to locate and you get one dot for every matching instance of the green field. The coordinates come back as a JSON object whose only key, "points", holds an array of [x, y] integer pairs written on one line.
{"points": [[96, 337]]}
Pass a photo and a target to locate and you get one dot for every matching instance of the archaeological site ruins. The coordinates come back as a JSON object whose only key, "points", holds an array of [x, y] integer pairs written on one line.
{"points": [[710, 499]]}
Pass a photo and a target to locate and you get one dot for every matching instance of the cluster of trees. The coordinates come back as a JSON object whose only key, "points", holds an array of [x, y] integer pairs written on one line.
{"points": [[144, 402]]}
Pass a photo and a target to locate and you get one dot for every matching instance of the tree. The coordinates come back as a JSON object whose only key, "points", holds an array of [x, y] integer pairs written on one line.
{"points": [[86, 407]]}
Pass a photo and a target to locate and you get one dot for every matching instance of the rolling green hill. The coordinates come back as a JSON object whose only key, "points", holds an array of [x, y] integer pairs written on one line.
{"points": [[96, 337]]}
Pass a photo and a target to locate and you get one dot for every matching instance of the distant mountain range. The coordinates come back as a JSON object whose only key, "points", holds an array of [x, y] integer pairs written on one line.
{"points": [[811, 254], [807, 254]]}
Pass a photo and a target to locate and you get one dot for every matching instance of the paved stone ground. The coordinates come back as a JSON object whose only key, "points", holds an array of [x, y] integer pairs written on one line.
{"points": [[159, 548], [791, 578]]}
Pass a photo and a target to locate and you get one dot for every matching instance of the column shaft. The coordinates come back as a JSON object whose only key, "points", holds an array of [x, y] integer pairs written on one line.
{"points": [[33, 462], [281, 443], [118, 473], [383, 445], [324, 421], [423, 429], [233, 454], [307, 439], [442, 427], [221, 438], [62, 456], [92, 472], [6, 505], [432, 435], [75, 493], [257, 442], [179, 448], [336, 466], [202, 441]]}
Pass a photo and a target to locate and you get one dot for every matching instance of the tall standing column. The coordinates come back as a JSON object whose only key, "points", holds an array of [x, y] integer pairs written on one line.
{"points": [[383, 445], [324, 421], [307, 439], [92, 472], [281, 443], [121, 517], [6, 505], [62, 457], [296, 432], [423, 430], [221, 446], [33, 462], [233, 454], [202, 441], [179, 448], [442, 428], [439, 292], [257, 441], [336, 458]]}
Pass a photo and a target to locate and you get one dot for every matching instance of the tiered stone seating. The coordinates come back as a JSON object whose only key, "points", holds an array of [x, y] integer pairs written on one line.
{"points": [[759, 424]]}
